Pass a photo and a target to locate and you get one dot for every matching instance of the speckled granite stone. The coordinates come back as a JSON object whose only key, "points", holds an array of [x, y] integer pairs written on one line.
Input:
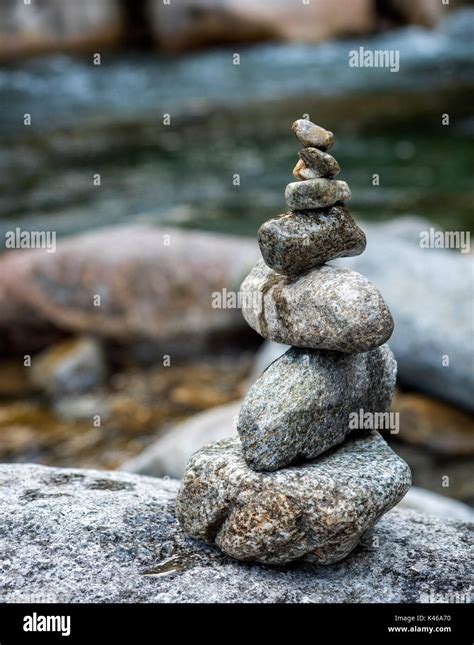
{"points": [[89, 536], [326, 308], [316, 193], [301, 405], [310, 134], [296, 242], [315, 163], [316, 512]]}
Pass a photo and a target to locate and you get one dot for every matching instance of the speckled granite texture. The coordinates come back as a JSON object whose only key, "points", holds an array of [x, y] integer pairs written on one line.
{"points": [[70, 535], [315, 512], [301, 405], [326, 308]]}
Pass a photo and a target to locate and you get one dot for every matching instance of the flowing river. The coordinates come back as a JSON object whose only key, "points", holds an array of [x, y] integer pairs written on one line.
{"points": [[229, 124]]}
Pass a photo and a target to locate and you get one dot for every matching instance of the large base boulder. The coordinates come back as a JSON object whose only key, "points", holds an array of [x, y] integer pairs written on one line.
{"points": [[89, 536], [316, 512]]}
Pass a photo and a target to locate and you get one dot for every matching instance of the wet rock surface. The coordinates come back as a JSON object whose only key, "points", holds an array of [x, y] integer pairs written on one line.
{"points": [[69, 535], [315, 512], [297, 242], [326, 308], [313, 394], [136, 405]]}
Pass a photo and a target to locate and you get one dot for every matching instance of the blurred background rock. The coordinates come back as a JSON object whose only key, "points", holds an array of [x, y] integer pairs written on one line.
{"points": [[177, 59]]}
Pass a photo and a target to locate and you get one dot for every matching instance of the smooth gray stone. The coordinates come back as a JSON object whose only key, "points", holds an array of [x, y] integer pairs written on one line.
{"points": [[430, 503], [310, 134], [156, 287], [301, 405], [320, 163], [70, 535], [326, 308], [316, 193], [296, 242], [315, 512], [430, 294]]}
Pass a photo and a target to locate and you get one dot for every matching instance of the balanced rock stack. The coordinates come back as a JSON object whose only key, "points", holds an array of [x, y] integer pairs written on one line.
{"points": [[302, 483]]}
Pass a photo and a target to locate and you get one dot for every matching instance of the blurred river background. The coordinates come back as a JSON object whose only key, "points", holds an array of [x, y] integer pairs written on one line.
{"points": [[225, 119], [228, 119]]}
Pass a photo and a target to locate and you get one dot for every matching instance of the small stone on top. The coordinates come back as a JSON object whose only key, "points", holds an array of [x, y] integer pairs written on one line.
{"points": [[310, 134]]}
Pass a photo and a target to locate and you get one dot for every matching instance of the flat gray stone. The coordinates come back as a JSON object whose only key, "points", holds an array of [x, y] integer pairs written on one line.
{"points": [[70, 535], [316, 193], [315, 163], [301, 405], [315, 512], [326, 308], [310, 134], [296, 242]]}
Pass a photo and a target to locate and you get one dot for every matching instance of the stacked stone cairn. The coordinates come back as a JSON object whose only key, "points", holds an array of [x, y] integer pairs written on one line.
{"points": [[303, 482]]}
